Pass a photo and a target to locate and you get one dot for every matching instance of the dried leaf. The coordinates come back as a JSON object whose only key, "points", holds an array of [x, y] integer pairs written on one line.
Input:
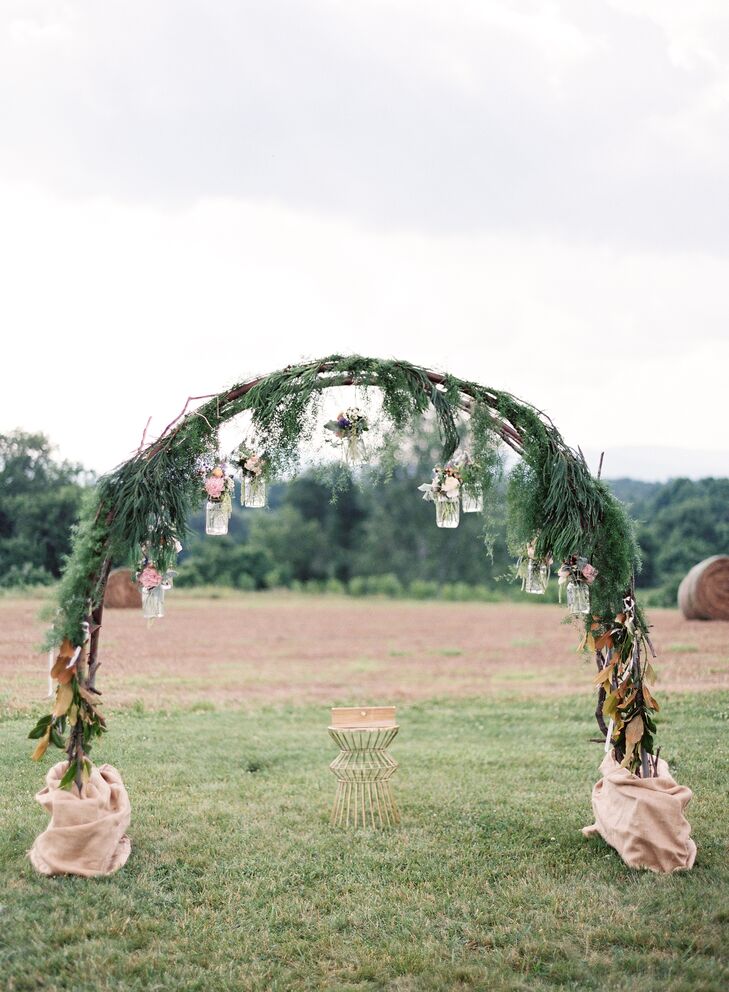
{"points": [[610, 706], [634, 731], [64, 698], [649, 675], [649, 700], [42, 746], [90, 697], [60, 671], [606, 641], [628, 758], [604, 674]]}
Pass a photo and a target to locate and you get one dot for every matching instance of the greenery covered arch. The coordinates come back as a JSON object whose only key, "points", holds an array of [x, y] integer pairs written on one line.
{"points": [[557, 510]]}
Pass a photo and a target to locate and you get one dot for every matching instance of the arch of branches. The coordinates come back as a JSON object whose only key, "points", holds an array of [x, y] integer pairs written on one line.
{"points": [[556, 508]]}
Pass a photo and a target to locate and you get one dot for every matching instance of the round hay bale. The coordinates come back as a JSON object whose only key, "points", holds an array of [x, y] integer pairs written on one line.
{"points": [[704, 592], [122, 592]]}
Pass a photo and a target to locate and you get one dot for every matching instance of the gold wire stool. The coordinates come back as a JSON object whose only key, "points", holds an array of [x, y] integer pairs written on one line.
{"points": [[363, 767]]}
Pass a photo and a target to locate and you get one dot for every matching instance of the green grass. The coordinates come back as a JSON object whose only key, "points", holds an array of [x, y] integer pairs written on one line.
{"points": [[236, 880]]}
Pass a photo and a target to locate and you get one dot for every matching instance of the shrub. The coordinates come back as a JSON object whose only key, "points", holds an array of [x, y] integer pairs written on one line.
{"points": [[357, 586], [423, 589]]}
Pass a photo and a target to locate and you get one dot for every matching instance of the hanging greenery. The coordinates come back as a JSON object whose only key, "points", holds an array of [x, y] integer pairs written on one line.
{"points": [[139, 512]]}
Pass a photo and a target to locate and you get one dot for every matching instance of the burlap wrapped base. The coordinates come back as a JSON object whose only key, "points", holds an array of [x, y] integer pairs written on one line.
{"points": [[86, 835], [643, 818]]}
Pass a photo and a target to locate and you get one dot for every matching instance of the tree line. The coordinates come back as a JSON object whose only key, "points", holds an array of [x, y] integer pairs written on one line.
{"points": [[326, 530]]}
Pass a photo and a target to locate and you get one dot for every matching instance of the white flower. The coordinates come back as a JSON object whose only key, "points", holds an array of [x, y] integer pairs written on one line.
{"points": [[450, 487]]}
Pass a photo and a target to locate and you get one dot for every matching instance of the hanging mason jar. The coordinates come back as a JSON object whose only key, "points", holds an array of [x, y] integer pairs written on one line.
{"points": [[354, 451], [447, 512], [536, 577], [217, 515], [471, 502], [153, 602], [253, 492], [578, 597]]}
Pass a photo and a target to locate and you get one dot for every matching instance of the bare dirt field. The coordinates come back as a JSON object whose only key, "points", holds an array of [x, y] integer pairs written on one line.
{"points": [[259, 648]]}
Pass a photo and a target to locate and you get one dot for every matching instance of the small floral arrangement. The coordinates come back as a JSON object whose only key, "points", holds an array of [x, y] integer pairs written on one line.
{"points": [[577, 569], [149, 577], [446, 484], [352, 422], [251, 464], [154, 584], [216, 484], [219, 488]]}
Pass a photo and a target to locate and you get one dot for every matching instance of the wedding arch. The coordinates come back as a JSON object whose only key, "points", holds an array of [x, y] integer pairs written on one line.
{"points": [[558, 512]]}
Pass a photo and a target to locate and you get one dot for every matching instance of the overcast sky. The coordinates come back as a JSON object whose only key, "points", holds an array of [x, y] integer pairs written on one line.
{"points": [[531, 194]]}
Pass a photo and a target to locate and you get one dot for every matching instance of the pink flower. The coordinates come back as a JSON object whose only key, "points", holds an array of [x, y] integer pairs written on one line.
{"points": [[150, 577], [589, 574], [214, 486]]}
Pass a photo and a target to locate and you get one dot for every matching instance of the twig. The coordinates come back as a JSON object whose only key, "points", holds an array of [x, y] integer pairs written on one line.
{"points": [[144, 433]]}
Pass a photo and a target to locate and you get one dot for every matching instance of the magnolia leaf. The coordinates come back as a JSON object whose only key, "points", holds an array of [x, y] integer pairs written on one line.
{"points": [[610, 706], [60, 671], [629, 699], [42, 745], [57, 739], [64, 698], [606, 641], [628, 758], [68, 776], [40, 728], [648, 697], [72, 715], [604, 674], [634, 732], [649, 675], [90, 697]]}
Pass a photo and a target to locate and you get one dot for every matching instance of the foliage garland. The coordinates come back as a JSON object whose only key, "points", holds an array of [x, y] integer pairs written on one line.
{"points": [[554, 504]]}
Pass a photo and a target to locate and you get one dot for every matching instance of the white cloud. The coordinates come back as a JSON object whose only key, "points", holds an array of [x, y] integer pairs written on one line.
{"points": [[526, 192], [478, 115], [115, 313]]}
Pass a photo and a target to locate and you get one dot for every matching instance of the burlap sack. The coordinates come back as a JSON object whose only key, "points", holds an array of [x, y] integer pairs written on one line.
{"points": [[86, 835], [642, 818]]}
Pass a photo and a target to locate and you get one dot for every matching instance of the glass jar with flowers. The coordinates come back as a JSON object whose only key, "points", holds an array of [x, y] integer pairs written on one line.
{"points": [[348, 428], [445, 492], [533, 572], [252, 468], [219, 506], [577, 574], [153, 585]]}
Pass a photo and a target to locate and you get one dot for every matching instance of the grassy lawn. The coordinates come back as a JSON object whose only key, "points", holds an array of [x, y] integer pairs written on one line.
{"points": [[236, 880]]}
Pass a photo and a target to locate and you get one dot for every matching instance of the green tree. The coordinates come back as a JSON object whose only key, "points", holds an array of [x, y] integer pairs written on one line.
{"points": [[39, 503]]}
